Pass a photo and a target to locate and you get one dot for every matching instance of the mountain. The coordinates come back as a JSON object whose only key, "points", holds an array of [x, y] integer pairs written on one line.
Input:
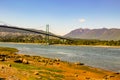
{"points": [[101, 34]]}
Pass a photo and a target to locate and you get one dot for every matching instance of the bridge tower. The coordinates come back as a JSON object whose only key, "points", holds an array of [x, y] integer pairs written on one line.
{"points": [[47, 34]]}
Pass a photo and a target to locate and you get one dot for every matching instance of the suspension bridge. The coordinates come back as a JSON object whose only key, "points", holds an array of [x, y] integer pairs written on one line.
{"points": [[47, 33]]}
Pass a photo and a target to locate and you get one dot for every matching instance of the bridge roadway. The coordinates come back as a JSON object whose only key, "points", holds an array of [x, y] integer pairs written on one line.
{"points": [[34, 31]]}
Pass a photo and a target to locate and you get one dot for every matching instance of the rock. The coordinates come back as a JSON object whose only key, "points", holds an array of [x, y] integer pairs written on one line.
{"points": [[106, 77], [78, 63], [36, 73], [39, 77], [2, 67], [112, 76], [9, 65], [20, 60], [57, 63], [27, 55], [25, 61], [2, 78], [3, 59], [43, 60], [117, 73], [88, 78], [51, 63], [3, 55], [84, 72], [76, 75], [57, 59]]}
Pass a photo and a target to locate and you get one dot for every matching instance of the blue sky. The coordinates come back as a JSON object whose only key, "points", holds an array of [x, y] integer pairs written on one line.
{"points": [[62, 15]]}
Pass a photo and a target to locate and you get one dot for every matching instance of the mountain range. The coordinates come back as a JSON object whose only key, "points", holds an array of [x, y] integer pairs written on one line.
{"points": [[101, 34]]}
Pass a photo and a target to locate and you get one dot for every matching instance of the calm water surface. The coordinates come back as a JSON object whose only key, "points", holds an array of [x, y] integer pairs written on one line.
{"points": [[101, 57]]}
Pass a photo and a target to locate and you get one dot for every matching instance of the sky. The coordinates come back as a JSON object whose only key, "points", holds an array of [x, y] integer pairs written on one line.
{"points": [[62, 15]]}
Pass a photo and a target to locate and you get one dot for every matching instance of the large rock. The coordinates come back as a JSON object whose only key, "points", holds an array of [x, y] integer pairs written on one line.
{"points": [[25, 61], [21, 60]]}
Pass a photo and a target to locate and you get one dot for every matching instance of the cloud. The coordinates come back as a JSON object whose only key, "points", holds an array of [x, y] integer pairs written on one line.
{"points": [[82, 20]]}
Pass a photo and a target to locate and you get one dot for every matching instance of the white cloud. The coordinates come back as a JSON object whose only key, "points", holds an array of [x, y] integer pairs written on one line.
{"points": [[82, 20]]}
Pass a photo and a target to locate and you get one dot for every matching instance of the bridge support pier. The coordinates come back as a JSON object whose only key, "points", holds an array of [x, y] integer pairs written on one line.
{"points": [[47, 34]]}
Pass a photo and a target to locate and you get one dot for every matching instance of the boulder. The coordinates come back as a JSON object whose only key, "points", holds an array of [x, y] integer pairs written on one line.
{"points": [[25, 61], [20, 60]]}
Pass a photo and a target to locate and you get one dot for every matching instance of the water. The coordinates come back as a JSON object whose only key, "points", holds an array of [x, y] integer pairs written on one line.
{"points": [[101, 57]]}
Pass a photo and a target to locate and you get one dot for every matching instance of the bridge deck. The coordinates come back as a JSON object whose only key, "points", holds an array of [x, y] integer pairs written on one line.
{"points": [[34, 31]]}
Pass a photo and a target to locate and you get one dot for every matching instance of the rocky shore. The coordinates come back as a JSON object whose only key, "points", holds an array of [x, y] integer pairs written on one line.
{"points": [[25, 67]]}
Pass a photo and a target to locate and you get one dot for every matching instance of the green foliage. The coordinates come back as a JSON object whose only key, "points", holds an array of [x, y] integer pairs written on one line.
{"points": [[40, 39], [94, 42], [22, 38]]}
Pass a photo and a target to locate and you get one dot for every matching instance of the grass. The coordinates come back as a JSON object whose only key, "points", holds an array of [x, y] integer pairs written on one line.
{"points": [[53, 74], [44, 73], [33, 78], [54, 70], [25, 66], [7, 49]]}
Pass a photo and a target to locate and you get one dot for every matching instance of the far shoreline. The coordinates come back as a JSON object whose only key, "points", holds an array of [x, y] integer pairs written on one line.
{"points": [[101, 46]]}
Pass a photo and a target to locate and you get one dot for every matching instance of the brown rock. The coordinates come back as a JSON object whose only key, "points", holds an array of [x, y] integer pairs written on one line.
{"points": [[117, 73], [9, 65], [88, 78], [25, 61], [78, 63], [57, 59], [76, 75], [36, 73], [57, 63], [3, 59], [2, 67], [51, 63], [20, 60]]}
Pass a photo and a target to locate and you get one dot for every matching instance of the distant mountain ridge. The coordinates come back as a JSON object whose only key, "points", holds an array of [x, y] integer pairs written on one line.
{"points": [[101, 34]]}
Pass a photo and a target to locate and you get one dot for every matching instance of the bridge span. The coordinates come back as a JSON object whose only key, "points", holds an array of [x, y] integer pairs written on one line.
{"points": [[34, 31]]}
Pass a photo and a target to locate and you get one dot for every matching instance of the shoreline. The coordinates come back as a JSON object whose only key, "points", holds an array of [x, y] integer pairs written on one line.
{"points": [[42, 67], [102, 46], [71, 45]]}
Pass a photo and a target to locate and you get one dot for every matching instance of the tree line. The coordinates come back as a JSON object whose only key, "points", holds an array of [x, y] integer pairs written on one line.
{"points": [[41, 39], [95, 42]]}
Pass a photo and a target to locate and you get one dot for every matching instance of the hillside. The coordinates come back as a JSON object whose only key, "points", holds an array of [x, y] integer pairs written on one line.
{"points": [[101, 34]]}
